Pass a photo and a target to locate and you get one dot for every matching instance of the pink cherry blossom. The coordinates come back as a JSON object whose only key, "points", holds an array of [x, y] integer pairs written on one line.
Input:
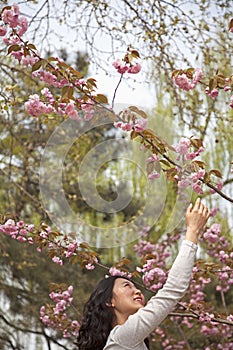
{"points": [[227, 88], [36, 107], [71, 111], [88, 109], [3, 31], [212, 234], [185, 83], [47, 77], [120, 66], [140, 124], [197, 75], [154, 175], [23, 23], [153, 158], [213, 94], [184, 182], [10, 16], [113, 271], [197, 187], [17, 55], [134, 69], [183, 146], [9, 228], [89, 266], [29, 60], [198, 175], [57, 260]]}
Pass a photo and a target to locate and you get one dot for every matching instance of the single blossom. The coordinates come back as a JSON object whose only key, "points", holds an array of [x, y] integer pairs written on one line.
{"points": [[154, 175], [71, 111], [134, 69], [120, 66], [197, 187], [3, 31], [23, 24], [29, 60], [153, 158], [213, 93], [227, 88], [183, 146]]}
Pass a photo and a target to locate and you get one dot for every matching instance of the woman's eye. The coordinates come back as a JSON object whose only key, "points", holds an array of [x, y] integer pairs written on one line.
{"points": [[128, 284]]}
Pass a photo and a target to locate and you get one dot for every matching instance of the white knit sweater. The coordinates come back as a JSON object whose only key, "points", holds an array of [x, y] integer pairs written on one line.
{"points": [[131, 335]]}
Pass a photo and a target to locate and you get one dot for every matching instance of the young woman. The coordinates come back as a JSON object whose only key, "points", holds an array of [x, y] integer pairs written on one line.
{"points": [[116, 317]]}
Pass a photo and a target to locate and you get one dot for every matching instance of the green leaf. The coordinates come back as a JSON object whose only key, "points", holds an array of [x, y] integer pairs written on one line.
{"points": [[135, 53], [70, 92], [231, 24], [213, 83], [138, 111], [199, 163], [84, 245], [216, 172], [92, 82], [189, 72], [196, 143], [50, 59], [101, 98], [221, 80], [14, 47], [63, 64], [165, 162], [76, 73], [67, 91], [133, 134], [31, 46], [37, 65]]}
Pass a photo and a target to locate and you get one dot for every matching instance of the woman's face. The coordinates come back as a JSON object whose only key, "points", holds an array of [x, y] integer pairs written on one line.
{"points": [[126, 300]]}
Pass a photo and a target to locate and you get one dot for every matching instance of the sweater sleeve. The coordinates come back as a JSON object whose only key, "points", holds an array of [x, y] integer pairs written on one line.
{"points": [[146, 319]]}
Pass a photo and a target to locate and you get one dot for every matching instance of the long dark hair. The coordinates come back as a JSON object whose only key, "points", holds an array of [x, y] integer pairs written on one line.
{"points": [[98, 317]]}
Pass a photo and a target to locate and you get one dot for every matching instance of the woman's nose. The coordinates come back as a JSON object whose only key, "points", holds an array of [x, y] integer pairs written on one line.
{"points": [[138, 292]]}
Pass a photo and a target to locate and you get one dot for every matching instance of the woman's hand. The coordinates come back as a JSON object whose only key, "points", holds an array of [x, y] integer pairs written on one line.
{"points": [[196, 218]]}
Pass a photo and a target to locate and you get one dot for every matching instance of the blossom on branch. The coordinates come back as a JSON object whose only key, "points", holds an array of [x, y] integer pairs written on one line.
{"points": [[12, 18], [187, 79], [126, 65]]}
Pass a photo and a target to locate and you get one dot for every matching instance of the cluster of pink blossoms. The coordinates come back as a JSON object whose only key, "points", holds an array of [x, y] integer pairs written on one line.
{"points": [[123, 67], [46, 104], [63, 245], [19, 23], [153, 270], [35, 106], [183, 179], [18, 231], [113, 271], [137, 125], [185, 82], [152, 277], [219, 247], [55, 316], [227, 87], [152, 163]]}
